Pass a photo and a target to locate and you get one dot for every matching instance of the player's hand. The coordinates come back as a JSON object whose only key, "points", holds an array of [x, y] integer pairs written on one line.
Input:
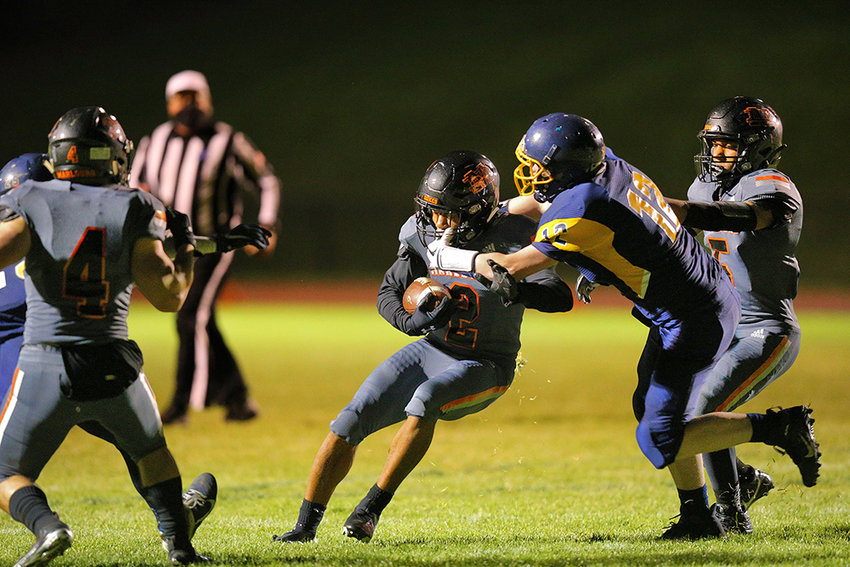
{"points": [[443, 256], [423, 322], [584, 287], [241, 236], [252, 250], [180, 227], [502, 283]]}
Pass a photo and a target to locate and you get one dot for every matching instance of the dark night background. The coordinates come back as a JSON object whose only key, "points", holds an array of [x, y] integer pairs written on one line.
{"points": [[352, 100]]}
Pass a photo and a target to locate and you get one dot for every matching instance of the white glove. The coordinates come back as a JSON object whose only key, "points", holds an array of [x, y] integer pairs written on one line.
{"points": [[584, 287], [444, 257]]}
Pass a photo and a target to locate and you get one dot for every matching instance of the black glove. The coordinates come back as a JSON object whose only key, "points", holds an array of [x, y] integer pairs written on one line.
{"points": [[502, 284], [241, 236], [180, 227], [423, 322]]}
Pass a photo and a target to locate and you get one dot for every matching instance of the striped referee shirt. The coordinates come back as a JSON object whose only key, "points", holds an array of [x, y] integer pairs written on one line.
{"points": [[203, 175]]}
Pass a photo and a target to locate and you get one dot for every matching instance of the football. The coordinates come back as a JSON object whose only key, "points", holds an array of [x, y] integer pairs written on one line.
{"points": [[424, 291]]}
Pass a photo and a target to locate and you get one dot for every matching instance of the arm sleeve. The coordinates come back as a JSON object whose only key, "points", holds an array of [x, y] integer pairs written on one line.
{"points": [[260, 172], [781, 205], [405, 269], [545, 291]]}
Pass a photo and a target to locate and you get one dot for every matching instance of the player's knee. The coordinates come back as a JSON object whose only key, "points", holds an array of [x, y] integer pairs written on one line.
{"points": [[348, 426], [659, 443], [423, 407]]}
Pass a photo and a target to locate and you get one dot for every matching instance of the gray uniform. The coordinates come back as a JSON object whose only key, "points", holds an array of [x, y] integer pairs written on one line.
{"points": [[765, 272], [78, 281], [462, 367]]}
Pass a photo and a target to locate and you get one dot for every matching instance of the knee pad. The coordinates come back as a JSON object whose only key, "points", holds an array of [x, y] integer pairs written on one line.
{"points": [[348, 427], [659, 440]]}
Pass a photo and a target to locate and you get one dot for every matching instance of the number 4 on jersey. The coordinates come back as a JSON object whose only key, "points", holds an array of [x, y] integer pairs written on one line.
{"points": [[84, 274]]}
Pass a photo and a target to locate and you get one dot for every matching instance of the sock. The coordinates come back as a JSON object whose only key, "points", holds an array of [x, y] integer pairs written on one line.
{"points": [[166, 501], [28, 505], [693, 500], [765, 428], [310, 516], [723, 474], [376, 500]]}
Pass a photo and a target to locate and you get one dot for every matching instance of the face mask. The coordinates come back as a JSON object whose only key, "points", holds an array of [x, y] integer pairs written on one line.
{"points": [[192, 117]]}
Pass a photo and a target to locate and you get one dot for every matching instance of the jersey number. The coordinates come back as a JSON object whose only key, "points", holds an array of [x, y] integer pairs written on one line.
{"points": [[85, 273], [720, 246], [649, 201], [461, 330]]}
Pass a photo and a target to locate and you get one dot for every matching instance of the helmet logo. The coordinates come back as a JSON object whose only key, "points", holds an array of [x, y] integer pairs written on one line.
{"points": [[430, 199], [755, 116], [478, 178], [72, 155]]}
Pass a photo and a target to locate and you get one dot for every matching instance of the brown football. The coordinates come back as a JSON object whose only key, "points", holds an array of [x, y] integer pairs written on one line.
{"points": [[424, 291]]}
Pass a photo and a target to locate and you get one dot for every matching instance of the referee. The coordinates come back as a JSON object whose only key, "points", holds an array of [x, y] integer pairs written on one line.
{"points": [[201, 167]]}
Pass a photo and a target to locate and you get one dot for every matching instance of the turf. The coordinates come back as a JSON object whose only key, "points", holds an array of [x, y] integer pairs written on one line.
{"points": [[549, 475]]}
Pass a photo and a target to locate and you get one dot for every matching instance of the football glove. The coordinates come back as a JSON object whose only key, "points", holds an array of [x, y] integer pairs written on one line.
{"points": [[241, 236], [180, 227], [445, 257], [584, 287], [503, 283], [423, 322]]}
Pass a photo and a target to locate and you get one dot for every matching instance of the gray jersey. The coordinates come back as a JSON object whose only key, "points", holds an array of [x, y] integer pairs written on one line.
{"points": [[761, 263], [79, 275]]}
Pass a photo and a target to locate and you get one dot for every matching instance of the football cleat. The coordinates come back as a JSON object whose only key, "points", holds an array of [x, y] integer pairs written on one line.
{"points": [[754, 486], [360, 525], [298, 534], [199, 500], [182, 555], [798, 441], [49, 544], [695, 525], [732, 519]]}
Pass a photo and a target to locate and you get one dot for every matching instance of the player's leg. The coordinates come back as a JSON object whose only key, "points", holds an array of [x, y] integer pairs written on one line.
{"points": [[378, 403], [132, 418], [655, 364], [464, 387], [33, 424], [758, 356]]}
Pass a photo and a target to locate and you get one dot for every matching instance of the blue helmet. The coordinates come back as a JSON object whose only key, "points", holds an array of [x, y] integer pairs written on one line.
{"points": [[557, 152], [21, 168]]}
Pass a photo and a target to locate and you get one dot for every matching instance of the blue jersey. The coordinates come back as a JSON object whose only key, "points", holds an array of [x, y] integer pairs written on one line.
{"points": [[78, 268], [13, 301], [618, 230], [761, 263]]}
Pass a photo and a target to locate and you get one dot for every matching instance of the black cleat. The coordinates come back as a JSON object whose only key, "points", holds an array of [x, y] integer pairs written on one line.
{"points": [[298, 534], [49, 544], [695, 525], [733, 520], [754, 486], [798, 441], [199, 500], [180, 555], [361, 525]]}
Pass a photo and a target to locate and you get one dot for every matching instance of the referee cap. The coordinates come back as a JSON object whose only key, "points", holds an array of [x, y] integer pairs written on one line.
{"points": [[186, 81]]}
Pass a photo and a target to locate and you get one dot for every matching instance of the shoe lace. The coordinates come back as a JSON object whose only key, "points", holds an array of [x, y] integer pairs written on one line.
{"points": [[193, 499]]}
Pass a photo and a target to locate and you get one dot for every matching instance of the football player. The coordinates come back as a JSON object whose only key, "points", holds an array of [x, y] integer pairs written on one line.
{"points": [[87, 239], [467, 357], [606, 218], [751, 215]]}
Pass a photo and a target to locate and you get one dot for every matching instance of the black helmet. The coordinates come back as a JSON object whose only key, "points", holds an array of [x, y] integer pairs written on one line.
{"points": [[557, 152], [749, 123], [88, 144], [462, 182]]}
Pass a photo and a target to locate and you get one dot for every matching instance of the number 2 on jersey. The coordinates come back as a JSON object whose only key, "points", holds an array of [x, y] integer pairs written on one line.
{"points": [[85, 273]]}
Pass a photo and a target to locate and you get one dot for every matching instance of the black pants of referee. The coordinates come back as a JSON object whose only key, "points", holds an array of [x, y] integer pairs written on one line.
{"points": [[207, 373]]}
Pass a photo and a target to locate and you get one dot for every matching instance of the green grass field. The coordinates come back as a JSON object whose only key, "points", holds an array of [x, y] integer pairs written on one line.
{"points": [[549, 475]]}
